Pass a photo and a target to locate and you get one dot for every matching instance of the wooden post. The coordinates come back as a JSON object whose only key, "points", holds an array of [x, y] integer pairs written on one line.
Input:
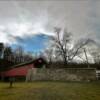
{"points": [[11, 82]]}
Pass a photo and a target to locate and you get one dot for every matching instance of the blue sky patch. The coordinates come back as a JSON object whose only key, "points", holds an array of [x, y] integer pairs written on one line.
{"points": [[34, 43]]}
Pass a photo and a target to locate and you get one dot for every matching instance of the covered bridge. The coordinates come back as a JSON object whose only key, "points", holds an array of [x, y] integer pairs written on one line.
{"points": [[20, 71]]}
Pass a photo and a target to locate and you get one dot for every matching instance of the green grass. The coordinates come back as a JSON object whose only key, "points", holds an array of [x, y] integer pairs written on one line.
{"points": [[51, 91]]}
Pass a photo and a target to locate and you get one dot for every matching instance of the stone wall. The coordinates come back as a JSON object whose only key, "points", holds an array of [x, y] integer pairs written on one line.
{"points": [[67, 74]]}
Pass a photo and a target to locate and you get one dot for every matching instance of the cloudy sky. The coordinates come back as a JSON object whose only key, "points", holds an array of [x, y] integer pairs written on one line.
{"points": [[30, 23]]}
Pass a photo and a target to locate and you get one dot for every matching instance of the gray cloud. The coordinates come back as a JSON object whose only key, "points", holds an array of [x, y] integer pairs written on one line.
{"points": [[20, 18]]}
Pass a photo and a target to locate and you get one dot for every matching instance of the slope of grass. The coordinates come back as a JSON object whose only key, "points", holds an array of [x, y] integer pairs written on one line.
{"points": [[50, 91]]}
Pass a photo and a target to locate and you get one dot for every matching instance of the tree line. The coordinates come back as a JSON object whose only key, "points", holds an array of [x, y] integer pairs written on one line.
{"points": [[17, 55], [61, 48]]}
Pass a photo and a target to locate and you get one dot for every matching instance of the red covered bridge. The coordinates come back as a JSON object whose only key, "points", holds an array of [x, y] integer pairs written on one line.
{"points": [[21, 70]]}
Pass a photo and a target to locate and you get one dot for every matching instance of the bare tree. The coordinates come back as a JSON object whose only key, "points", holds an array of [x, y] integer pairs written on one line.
{"points": [[79, 48], [61, 44], [1, 49], [18, 54], [95, 55], [85, 52], [8, 53], [94, 51], [64, 46], [48, 54]]}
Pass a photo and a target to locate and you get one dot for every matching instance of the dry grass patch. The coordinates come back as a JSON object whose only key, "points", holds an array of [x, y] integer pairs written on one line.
{"points": [[51, 91]]}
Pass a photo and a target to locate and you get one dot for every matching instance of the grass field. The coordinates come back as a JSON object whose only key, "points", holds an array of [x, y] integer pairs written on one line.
{"points": [[51, 91]]}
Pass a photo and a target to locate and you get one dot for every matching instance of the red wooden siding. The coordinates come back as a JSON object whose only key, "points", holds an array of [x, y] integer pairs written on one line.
{"points": [[20, 71]]}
